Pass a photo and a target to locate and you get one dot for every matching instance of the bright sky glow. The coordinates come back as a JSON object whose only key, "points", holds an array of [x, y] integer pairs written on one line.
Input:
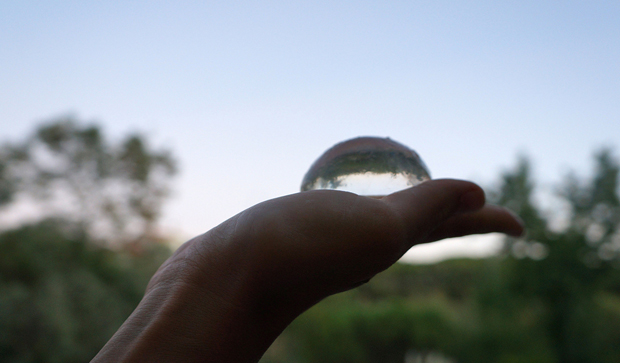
{"points": [[248, 94]]}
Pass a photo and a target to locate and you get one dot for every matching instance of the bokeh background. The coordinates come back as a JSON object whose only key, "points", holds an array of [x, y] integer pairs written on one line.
{"points": [[164, 119]]}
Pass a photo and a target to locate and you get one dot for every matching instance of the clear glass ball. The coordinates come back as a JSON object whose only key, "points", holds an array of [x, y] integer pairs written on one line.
{"points": [[369, 166]]}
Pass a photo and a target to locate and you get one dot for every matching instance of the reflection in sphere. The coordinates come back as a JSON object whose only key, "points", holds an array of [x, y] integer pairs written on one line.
{"points": [[370, 166]]}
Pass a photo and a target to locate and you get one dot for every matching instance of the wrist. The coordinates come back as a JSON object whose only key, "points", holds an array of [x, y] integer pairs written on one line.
{"points": [[200, 305]]}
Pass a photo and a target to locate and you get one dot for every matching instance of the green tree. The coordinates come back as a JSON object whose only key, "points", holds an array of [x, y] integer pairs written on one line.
{"points": [[565, 272], [63, 290], [552, 296], [115, 190], [61, 296]]}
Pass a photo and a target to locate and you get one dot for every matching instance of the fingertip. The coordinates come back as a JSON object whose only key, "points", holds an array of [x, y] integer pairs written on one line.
{"points": [[489, 219], [519, 228], [429, 204]]}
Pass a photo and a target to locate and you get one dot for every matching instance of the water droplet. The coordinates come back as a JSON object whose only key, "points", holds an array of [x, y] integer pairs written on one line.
{"points": [[370, 166]]}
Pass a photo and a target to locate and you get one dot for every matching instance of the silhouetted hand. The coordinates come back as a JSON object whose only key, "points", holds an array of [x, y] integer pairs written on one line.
{"points": [[226, 295]]}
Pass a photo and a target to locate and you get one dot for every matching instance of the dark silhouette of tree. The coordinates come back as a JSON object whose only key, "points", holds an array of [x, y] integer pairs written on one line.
{"points": [[63, 290], [568, 280], [61, 296], [114, 190]]}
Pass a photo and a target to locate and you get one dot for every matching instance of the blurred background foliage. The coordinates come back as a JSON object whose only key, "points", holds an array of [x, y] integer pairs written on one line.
{"points": [[71, 276], [552, 295], [76, 263]]}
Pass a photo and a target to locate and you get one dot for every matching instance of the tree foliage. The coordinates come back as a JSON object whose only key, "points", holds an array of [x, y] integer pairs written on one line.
{"points": [[580, 265], [553, 296], [63, 291], [61, 296], [115, 190]]}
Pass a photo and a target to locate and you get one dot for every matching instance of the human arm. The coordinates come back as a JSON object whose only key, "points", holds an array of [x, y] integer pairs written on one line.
{"points": [[226, 295]]}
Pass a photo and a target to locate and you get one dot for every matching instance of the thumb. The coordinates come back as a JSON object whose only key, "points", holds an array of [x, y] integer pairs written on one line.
{"points": [[426, 206]]}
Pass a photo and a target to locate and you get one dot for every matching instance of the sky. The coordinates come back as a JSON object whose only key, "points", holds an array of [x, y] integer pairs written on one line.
{"points": [[247, 94]]}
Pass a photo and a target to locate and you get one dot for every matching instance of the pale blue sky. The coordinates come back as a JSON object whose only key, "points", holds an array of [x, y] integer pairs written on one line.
{"points": [[247, 94]]}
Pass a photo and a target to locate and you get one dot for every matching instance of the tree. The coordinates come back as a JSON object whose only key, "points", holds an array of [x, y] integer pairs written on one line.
{"points": [[61, 296], [63, 291], [113, 190], [570, 280], [552, 296]]}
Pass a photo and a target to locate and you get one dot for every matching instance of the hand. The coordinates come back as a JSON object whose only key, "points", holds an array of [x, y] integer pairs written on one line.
{"points": [[226, 295]]}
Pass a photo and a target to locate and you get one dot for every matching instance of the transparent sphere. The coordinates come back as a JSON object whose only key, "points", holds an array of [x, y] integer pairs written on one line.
{"points": [[369, 166]]}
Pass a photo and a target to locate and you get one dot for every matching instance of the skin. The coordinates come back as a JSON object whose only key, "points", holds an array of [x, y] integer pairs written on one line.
{"points": [[226, 295]]}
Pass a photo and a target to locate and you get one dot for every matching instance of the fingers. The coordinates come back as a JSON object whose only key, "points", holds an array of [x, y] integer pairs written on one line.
{"points": [[486, 220], [425, 207]]}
